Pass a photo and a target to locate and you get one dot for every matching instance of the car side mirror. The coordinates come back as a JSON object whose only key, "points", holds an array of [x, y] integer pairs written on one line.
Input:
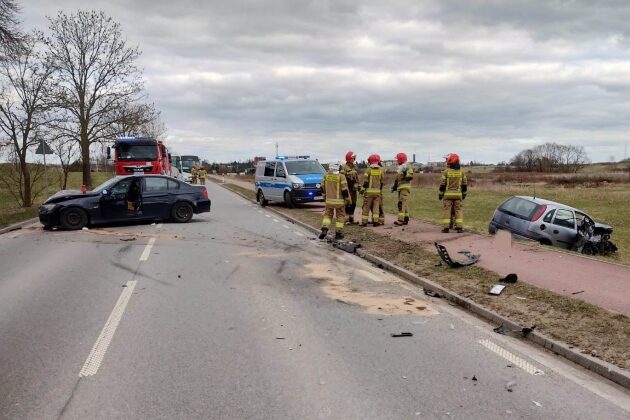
{"points": [[104, 192]]}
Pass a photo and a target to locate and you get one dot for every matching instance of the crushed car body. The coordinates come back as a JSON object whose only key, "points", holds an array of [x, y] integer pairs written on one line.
{"points": [[552, 223]]}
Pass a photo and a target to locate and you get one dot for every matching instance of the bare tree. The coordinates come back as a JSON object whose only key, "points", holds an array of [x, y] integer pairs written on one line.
{"points": [[67, 150], [551, 157], [11, 38], [95, 75], [133, 119], [23, 109]]}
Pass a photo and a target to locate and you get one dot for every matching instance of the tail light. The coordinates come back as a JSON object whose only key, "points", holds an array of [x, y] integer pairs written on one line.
{"points": [[539, 212], [205, 193]]}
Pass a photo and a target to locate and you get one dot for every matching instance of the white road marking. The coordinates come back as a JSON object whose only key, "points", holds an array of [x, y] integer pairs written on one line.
{"points": [[260, 211], [276, 220], [147, 250], [286, 227], [512, 358], [266, 215], [97, 354], [159, 226], [298, 233]]}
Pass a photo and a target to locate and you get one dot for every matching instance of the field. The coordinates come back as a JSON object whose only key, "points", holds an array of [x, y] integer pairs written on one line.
{"points": [[605, 203], [11, 212]]}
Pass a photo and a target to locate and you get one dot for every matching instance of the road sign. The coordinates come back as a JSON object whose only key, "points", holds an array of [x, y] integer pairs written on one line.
{"points": [[43, 149]]}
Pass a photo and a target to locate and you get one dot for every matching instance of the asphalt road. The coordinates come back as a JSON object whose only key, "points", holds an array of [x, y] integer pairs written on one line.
{"points": [[242, 315]]}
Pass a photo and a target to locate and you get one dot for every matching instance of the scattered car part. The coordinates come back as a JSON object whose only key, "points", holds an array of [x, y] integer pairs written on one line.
{"points": [[497, 289], [402, 334], [443, 253], [510, 278], [504, 330], [431, 293]]}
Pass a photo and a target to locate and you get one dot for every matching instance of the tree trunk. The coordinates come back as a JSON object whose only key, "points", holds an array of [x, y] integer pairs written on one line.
{"points": [[85, 156], [27, 199], [66, 170]]}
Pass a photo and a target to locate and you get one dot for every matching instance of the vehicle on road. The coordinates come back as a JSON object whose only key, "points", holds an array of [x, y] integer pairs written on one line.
{"points": [[552, 223], [132, 198], [140, 155], [186, 164], [291, 180]]}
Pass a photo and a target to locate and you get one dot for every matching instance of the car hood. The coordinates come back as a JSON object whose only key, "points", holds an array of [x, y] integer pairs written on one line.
{"points": [[310, 178], [64, 195], [602, 228]]}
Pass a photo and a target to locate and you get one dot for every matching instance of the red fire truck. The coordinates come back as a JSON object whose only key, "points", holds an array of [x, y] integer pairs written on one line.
{"points": [[140, 154]]}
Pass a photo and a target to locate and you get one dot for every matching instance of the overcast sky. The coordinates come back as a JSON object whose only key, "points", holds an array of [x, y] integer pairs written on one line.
{"points": [[485, 79]]}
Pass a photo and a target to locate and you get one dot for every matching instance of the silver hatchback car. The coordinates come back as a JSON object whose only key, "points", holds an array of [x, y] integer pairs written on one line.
{"points": [[552, 223]]}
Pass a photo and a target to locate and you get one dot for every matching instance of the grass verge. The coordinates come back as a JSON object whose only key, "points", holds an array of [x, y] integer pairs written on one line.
{"points": [[587, 327]]}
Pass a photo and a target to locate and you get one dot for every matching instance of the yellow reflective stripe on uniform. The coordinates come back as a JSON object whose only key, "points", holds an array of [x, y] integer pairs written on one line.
{"points": [[335, 201], [404, 187], [372, 189], [453, 194]]}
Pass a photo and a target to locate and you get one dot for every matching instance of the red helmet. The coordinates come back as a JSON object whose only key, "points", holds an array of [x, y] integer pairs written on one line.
{"points": [[452, 159], [374, 159], [350, 156], [401, 158]]}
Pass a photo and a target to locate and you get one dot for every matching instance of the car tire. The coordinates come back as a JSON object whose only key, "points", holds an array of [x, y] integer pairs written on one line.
{"points": [[492, 229], [182, 212], [73, 218], [260, 197], [288, 200]]}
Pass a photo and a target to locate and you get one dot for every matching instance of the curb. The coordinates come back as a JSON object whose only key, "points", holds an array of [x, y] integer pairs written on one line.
{"points": [[18, 225], [602, 368]]}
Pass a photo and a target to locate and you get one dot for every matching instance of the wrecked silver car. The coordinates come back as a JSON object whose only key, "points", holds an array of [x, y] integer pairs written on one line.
{"points": [[552, 223]]}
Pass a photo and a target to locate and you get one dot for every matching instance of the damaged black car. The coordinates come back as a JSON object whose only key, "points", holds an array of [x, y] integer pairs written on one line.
{"points": [[129, 199]]}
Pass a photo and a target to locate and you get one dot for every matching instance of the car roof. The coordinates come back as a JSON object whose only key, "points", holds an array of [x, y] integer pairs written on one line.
{"points": [[539, 200], [146, 176]]}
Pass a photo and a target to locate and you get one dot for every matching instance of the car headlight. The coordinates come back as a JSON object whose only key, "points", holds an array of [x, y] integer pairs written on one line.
{"points": [[48, 207], [297, 186]]}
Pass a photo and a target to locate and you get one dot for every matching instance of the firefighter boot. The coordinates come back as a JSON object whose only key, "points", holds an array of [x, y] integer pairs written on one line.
{"points": [[459, 230], [445, 230], [406, 220], [399, 223], [338, 236], [323, 233]]}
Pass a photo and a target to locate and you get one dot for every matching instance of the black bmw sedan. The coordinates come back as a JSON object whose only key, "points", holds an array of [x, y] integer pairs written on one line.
{"points": [[125, 199]]}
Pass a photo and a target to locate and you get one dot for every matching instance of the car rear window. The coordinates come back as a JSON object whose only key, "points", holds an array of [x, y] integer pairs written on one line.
{"points": [[520, 207]]}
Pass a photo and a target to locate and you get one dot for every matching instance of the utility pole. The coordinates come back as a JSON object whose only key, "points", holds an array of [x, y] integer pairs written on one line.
{"points": [[276, 148]]}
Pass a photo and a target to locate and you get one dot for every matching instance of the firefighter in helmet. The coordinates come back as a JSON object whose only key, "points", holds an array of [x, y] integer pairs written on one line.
{"points": [[453, 189], [373, 187], [202, 175], [193, 174], [404, 176], [352, 176], [337, 198]]}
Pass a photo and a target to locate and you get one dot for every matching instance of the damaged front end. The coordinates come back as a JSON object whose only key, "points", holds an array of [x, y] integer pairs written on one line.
{"points": [[594, 239]]}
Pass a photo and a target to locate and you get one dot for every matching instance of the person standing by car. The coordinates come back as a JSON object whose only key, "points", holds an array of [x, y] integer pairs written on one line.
{"points": [[193, 174], [202, 175], [373, 188], [352, 176], [337, 199], [404, 176], [453, 189]]}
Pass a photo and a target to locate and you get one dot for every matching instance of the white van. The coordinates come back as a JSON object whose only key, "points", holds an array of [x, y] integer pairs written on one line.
{"points": [[290, 180]]}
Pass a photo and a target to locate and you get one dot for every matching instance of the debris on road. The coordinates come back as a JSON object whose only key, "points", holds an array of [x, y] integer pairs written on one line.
{"points": [[537, 404], [443, 253], [577, 293], [510, 386], [84, 228], [504, 330], [474, 378], [402, 334], [497, 289], [279, 338], [348, 246], [431, 293], [127, 239], [510, 278]]}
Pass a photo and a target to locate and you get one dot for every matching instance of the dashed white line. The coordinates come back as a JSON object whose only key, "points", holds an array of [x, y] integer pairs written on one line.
{"points": [[286, 227], [266, 215], [276, 220], [95, 358], [298, 233], [147, 250], [260, 211], [512, 358]]}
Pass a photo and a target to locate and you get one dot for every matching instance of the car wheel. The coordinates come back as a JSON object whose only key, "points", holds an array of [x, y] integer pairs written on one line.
{"points": [[182, 212], [492, 229], [73, 218], [589, 249], [260, 197], [288, 200]]}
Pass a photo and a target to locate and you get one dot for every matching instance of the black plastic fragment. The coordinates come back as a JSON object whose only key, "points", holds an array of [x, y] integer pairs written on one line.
{"points": [[402, 334], [443, 253]]}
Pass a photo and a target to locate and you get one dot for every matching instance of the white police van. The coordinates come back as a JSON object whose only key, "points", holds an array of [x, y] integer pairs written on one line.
{"points": [[289, 179]]}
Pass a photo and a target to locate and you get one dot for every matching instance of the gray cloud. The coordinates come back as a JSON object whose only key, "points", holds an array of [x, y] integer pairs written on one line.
{"points": [[483, 78]]}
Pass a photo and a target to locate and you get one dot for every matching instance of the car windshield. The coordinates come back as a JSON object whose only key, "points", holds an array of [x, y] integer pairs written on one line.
{"points": [[107, 184], [136, 152], [520, 207], [302, 167]]}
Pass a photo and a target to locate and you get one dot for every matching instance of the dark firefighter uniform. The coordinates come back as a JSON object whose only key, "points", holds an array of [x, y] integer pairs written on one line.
{"points": [[352, 176], [336, 196], [403, 186], [372, 186], [453, 189]]}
